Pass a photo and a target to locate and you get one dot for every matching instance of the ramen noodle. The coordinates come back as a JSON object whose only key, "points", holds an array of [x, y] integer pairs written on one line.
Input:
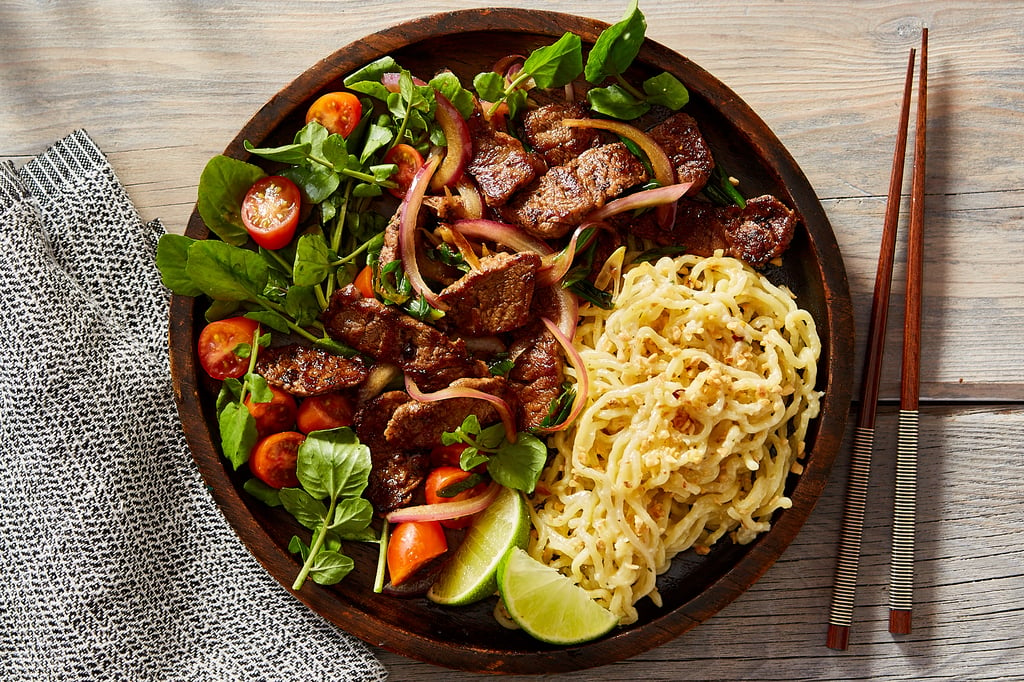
{"points": [[702, 387]]}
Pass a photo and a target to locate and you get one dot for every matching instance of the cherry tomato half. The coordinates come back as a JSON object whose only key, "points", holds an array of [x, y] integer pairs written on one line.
{"points": [[273, 458], [408, 161], [411, 545], [364, 282], [218, 343], [270, 211], [339, 112], [443, 477], [274, 416], [327, 411]]}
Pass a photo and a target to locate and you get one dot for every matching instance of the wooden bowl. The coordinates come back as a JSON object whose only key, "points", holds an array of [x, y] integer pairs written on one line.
{"points": [[695, 587]]}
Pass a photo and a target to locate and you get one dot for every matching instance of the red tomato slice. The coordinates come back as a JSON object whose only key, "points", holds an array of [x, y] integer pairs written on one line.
{"points": [[408, 161], [273, 459], [339, 112], [218, 343], [411, 545], [274, 416], [270, 211], [443, 477], [327, 411]]}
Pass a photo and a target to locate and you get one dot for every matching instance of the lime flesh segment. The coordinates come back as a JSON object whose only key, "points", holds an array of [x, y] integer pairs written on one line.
{"points": [[471, 573], [547, 605]]}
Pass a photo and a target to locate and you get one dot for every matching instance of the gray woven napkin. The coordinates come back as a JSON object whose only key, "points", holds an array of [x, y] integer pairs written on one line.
{"points": [[115, 562]]}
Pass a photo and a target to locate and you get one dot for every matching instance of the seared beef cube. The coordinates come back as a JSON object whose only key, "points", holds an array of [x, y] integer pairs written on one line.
{"points": [[565, 195], [306, 371], [763, 231], [756, 234], [500, 164], [536, 375], [395, 472], [557, 143], [689, 154], [494, 299], [389, 335], [420, 425]]}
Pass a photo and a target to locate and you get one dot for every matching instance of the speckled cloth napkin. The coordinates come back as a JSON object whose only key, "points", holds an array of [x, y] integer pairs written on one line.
{"points": [[115, 562]]}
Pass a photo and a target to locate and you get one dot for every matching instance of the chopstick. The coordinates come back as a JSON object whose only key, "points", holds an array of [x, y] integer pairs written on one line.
{"points": [[845, 584], [901, 566]]}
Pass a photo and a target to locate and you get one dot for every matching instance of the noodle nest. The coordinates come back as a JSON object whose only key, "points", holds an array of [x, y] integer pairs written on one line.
{"points": [[702, 383]]}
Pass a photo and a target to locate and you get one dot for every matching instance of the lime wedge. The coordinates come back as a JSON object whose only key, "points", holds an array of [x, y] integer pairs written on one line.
{"points": [[547, 605], [471, 573]]}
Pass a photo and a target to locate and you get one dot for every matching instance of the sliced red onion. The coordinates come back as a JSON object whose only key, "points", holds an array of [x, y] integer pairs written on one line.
{"points": [[460, 144], [556, 264], [503, 233], [442, 511], [390, 81], [502, 407], [568, 311], [472, 202], [664, 173], [582, 378], [659, 196], [410, 208]]}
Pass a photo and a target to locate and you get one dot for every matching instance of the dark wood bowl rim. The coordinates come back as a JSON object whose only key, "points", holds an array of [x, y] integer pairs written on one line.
{"points": [[391, 635]]}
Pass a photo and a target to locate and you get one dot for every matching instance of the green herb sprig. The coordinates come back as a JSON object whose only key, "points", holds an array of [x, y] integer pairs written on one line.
{"points": [[514, 465]]}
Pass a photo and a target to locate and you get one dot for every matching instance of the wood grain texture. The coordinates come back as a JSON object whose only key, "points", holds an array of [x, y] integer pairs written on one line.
{"points": [[161, 86]]}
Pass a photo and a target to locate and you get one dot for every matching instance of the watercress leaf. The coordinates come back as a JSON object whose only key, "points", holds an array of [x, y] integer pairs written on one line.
{"points": [[312, 263], [222, 187], [366, 189], [288, 153], [491, 438], [171, 257], [330, 567], [270, 318], [552, 66], [259, 389], [472, 458], [516, 102], [351, 516], [666, 90], [237, 432], [377, 137], [313, 134], [225, 272], [262, 492], [302, 304], [316, 181], [230, 389], [218, 310], [297, 546], [372, 88], [333, 464], [373, 71], [449, 85], [616, 102], [489, 86], [617, 46], [518, 465], [306, 509], [335, 151]]}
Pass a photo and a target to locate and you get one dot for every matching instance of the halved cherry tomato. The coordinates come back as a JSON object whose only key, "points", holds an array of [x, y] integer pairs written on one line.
{"points": [[408, 161], [274, 416], [273, 459], [218, 343], [327, 411], [444, 477], [339, 112], [364, 282], [451, 456], [411, 545], [270, 211]]}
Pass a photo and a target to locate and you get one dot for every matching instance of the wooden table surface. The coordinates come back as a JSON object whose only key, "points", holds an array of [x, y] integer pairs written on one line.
{"points": [[162, 85]]}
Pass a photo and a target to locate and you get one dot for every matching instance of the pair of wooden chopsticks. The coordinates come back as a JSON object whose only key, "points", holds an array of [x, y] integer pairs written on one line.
{"points": [[901, 574]]}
